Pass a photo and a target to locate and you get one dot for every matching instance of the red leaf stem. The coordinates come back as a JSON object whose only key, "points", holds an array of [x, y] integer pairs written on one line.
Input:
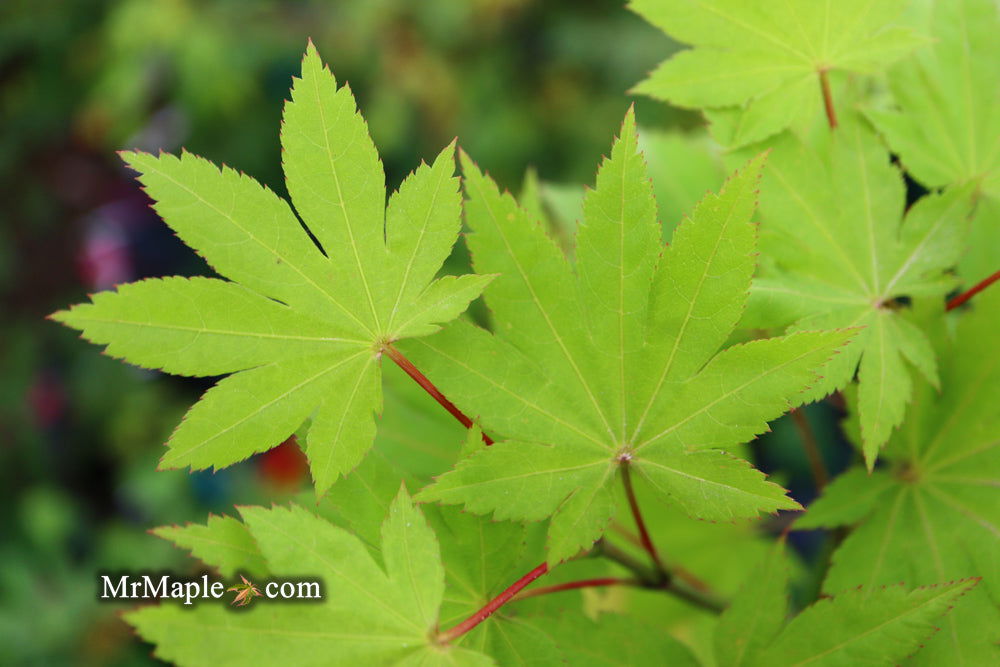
{"points": [[429, 387]]}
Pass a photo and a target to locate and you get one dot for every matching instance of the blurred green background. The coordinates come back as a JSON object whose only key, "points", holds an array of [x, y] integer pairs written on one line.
{"points": [[522, 83]]}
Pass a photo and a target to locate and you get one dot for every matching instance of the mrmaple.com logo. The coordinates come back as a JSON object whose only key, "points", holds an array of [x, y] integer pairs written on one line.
{"points": [[166, 586]]}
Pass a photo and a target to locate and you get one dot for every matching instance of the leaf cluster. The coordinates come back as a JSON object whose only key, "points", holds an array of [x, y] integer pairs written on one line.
{"points": [[622, 364]]}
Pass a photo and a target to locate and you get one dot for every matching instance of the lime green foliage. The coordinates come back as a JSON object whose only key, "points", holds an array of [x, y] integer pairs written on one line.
{"points": [[861, 626], [619, 364], [370, 613], [683, 167], [842, 194], [657, 395], [934, 512], [223, 543], [943, 120], [301, 327], [946, 127], [612, 641], [756, 614], [761, 61]]}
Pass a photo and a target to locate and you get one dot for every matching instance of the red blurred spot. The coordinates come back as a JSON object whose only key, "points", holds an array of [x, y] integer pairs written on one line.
{"points": [[285, 465], [47, 399]]}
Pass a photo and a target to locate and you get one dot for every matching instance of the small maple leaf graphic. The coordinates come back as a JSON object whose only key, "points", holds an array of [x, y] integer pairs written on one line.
{"points": [[245, 592]]}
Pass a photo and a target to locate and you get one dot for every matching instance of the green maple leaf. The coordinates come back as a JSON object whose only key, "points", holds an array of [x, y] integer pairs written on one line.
{"points": [[946, 129], [842, 254], [616, 363], [614, 640], [859, 627], [765, 60], [757, 612], [370, 613], [934, 513], [945, 124], [862, 626], [302, 330], [223, 543], [480, 558]]}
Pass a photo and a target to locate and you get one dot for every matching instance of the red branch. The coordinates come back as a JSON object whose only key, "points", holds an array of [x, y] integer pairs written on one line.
{"points": [[573, 585], [973, 291], [647, 543], [820, 476], [492, 606], [824, 85], [429, 387]]}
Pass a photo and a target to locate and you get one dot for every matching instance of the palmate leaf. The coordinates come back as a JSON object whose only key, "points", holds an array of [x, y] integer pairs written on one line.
{"points": [[224, 543], [934, 513], [764, 59], [478, 559], [616, 362], [370, 614], [945, 124], [481, 558], [843, 254], [301, 328], [861, 626], [946, 129]]}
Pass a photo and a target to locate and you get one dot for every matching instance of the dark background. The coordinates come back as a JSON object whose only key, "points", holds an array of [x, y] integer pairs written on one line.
{"points": [[520, 82]]}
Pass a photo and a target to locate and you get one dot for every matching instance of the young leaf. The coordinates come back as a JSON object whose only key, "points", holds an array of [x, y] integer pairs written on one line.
{"points": [[615, 363], [770, 60], [845, 256], [300, 327], [938, 504], [369, 615], [946, 129], [861, 627]]}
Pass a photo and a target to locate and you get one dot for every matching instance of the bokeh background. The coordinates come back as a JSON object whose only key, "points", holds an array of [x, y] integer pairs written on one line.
{"points": [[522, 83]]}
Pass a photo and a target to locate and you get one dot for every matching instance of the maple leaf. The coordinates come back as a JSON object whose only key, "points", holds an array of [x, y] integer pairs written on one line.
{"points": [[841, 253], [245, 592], [615, 364], [944, 122], [301, 327], [369, 614], [870, 626], [946, 127], [223, 543], [934, 513], [768, 62], [479, 558], [612, 641]]}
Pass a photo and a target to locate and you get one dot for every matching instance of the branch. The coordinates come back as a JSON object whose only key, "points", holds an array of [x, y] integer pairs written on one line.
{"points": [[492, 606], [573, 585], [429, 387], [681, 573], [661, 580], [625, 533], [647, 543], [973, 291], [820, 475], [824, 85]]}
